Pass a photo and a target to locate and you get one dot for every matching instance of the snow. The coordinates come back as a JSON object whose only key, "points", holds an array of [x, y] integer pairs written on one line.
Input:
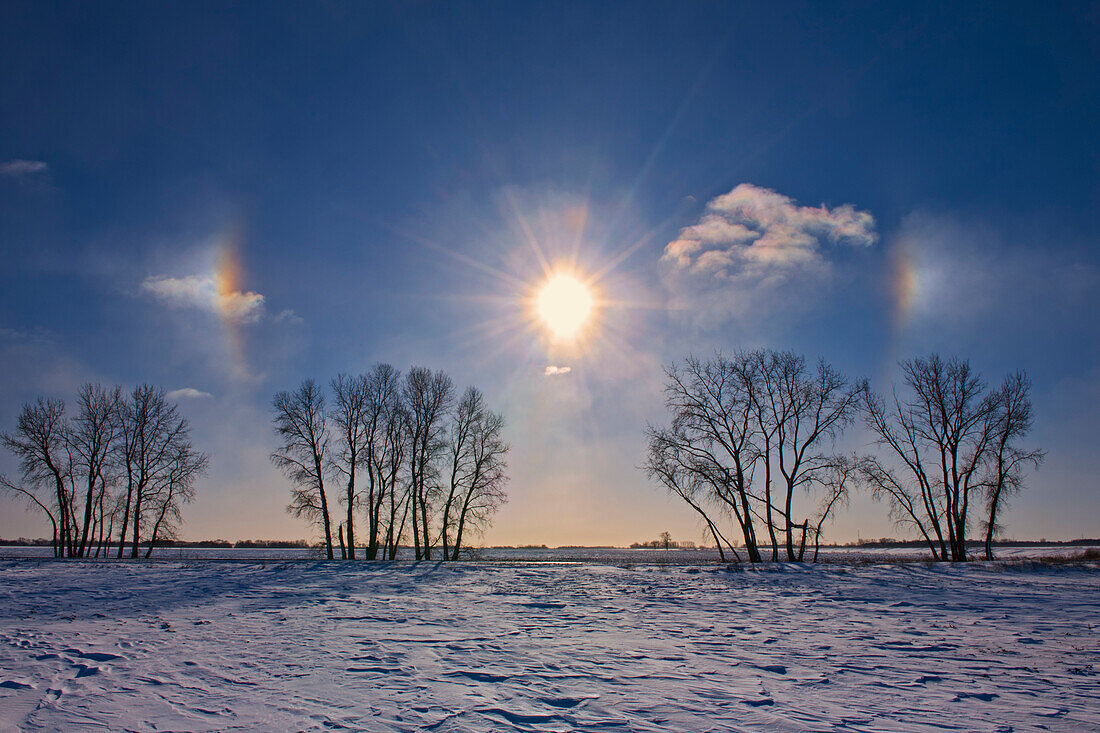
{"points": [[261, 645]]}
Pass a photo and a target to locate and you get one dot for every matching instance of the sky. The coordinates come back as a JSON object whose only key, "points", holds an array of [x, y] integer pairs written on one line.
{"points": [[224, 199]]}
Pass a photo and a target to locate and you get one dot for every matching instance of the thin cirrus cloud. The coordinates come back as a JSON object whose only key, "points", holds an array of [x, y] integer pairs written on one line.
{"points": [[557, 371], [204, 292], [749, 245], [187, 393], [20, 167]]}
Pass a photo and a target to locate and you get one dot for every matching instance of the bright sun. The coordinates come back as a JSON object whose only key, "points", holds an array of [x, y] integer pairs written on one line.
{"points": [[564, 305]]}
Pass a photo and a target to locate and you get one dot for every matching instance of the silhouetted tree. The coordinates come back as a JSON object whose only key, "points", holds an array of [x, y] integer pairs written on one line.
{"points": [[1007, 461], [481, 487], [151, 432], [944, 436], [427, 397], [90, 439], [40, 445], [301, 425], [350, 421]]}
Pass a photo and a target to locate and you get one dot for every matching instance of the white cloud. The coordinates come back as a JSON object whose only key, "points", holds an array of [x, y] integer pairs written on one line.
{"points": [[753, 227], [187, 393], [755, 249], [554, 371], [20, 167], [203, 292]]}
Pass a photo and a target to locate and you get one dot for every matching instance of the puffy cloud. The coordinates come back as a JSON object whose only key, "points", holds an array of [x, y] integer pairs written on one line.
{"points": [[187, 393], [20, 167], [205, 293], [757, 252], [554, 371], [753, 227]]}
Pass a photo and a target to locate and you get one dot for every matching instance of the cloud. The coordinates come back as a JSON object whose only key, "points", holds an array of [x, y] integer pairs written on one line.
{"points": [[187, 393], [554, 371], [752, 226], [204, 293], [20, 167], [753, 248]]}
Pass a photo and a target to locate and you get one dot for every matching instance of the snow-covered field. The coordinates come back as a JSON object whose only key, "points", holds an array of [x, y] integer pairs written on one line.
{"points": [[251, 645]]}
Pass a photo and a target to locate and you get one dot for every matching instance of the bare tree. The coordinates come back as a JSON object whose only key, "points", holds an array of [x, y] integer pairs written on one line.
{"points": [[39, 442], [90, 440], [301, 425], [482, 486], [943, 436], [804, 410], [385, 438], [1007, 461], [174, 487], [349, 418], [710, 441], [427, 397], [837, 478], [468, 413], [664, 462], [742, 425], [150, 432]]}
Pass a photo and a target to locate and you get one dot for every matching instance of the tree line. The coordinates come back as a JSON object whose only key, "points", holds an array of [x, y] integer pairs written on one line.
{"points": [[115, 471], [753, 431], [404, 452]]}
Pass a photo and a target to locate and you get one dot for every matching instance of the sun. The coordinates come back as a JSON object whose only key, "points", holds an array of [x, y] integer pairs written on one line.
{"points": [[564, 304]]}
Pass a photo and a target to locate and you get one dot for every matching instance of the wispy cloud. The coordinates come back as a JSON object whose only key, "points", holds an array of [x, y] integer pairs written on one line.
{"points": [[555, 371], [751, 244], [187, 393], [20, 167], [204, 293]]}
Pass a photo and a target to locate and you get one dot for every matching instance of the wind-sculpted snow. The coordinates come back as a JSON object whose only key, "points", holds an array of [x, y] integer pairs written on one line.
{"points": [[217, 646]]}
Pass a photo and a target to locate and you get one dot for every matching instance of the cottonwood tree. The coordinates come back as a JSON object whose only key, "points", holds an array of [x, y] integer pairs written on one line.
{"points": [[385, 440], [478, 490], [40, 445], [750, 433], [150, 436], [90, 440], [69, 468], [710, 441], [427, 396], [1007, 460], [800, 411], [837, 479], [948, 439], [350, 426], [173, 487], [301, 425]]}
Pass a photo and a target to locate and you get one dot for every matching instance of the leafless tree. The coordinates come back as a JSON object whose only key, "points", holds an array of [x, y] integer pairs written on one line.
{"points": [[837, 478], [742, 425], [39, 443], [944, 438], [151, 432], [801, 412], [300, 423], [350, 422], [1007, 460], [427, 397], [711, 440], [481, 487], [173, 487], [90, 440], [150, 429], [385, 440]]}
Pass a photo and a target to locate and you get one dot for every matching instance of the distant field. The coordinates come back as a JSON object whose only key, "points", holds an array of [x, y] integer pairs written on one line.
{"points": [[218, 646], [612, 556]]}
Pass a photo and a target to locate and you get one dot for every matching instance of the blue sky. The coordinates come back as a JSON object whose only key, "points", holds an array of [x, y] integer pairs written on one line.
{"points": [[363, 184]]}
